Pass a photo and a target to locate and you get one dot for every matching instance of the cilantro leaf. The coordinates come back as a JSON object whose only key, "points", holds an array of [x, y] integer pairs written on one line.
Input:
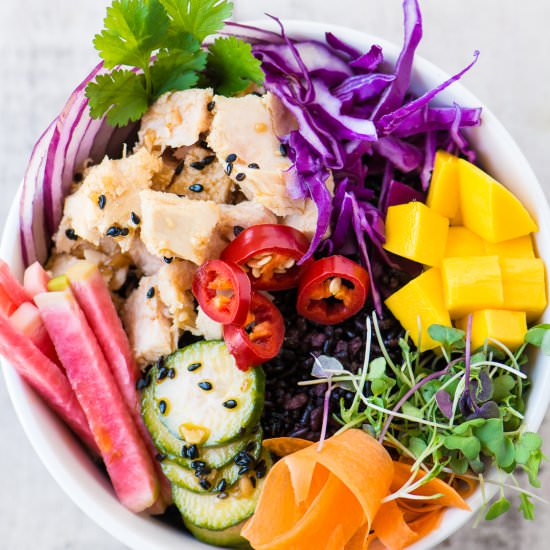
{"points": [[121, 94], [468, 445], [176, 70], [200, 18], [231, 66], [133, 30]]}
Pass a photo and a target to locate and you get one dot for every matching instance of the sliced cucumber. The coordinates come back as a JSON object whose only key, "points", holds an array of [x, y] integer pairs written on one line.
{"points": [[169, 444], [208, 482], [209, 511], [227, 538], [208, 400]]}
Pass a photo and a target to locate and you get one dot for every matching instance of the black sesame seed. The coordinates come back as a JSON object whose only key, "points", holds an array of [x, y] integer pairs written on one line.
{"points": [[223, 495], [251, 446], [193, 451], [230, 404], [240, 176], [211, 105], [205, 484], [283, 149], [124, 232], [71, 235], [253, 481], [261, 469], [204, 144], [206, 386], [229, 168], [257, 94], [150, 292], [143, 382], [254, 166], [162, 374], [113, 231], [208, 160], [243, 470], [196, 188], [185, 451], [237, 230], [172, 373], [167, 260], [194, 366], [197, 165], [101, 201], [221, 486], [179, 168], [231, 158], [78, 177], [162, 406], [160, 457], [160, 362], [198, 464], [136, 220]]}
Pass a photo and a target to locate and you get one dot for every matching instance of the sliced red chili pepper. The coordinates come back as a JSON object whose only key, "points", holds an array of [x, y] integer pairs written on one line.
{"points": [[331, 290], [223, 291], [261, 338], [269, 254]]}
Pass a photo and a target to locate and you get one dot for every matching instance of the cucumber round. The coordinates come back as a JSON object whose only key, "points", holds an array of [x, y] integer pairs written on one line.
{"points": [[186, 478], [208, 511], [208, 400], [227, 538], [172, 446]]}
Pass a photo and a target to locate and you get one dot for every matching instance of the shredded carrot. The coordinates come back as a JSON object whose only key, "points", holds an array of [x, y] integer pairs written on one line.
{"points": [[282, 446]]}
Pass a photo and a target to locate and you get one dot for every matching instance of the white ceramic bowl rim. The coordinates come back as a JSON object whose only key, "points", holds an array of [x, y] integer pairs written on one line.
{"points": [[88, 487]]}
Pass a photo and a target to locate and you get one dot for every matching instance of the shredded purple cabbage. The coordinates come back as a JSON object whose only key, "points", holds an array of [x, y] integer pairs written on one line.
{"points": [[358, 123]]}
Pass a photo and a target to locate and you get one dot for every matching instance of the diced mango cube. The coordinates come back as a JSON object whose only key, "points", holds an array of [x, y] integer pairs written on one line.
{"points": [[522, 247], [420, 304], [444, 192], [471, 284], [416, 232], [508, 327], [489, 209], [524, 284], [462, 242]]}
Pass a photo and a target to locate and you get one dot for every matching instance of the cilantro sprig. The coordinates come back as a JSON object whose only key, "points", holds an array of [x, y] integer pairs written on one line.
{"points": [[156, 46], [446, 418]]}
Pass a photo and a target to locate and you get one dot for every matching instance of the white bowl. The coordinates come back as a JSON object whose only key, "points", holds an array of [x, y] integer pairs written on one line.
{"points": [[91, 490]]}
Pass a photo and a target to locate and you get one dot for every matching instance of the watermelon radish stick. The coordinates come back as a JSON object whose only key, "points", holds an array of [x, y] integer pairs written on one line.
{"points": [[11, 286], [35, 279], [94, 299], [125, 455], [6, 305], [45, 378], [26, 318]]}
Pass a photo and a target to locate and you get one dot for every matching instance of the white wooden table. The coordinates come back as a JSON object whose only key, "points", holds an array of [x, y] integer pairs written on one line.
{"points": [[46, 48]]}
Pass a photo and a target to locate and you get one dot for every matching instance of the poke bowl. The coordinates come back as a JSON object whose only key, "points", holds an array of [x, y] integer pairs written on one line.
{"points": [[68, 461]]}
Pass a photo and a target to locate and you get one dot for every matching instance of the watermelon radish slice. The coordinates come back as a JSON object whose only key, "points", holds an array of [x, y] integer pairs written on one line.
{"points": [[45, 378], [128, 463], [6, 305], [26, 318], [11, 286], [94, 299], [35, 279]]}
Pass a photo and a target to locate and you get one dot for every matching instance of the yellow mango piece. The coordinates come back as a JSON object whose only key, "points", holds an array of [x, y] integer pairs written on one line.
{"points": [[416, 232], [524, 284], [444, 193], [462, 242], [522, 247], [508, 327], [489, 209], [420, 303], [471, 284]]}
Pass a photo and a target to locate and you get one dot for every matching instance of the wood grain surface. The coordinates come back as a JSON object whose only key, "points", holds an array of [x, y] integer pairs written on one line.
{"points": [[46, 49]]}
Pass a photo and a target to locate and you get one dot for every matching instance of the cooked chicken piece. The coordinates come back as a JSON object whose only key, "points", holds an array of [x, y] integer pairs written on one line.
{"points": [[243, 135], [173, 226], [282, 120], [143, 259], [176, 119], [200, 176], [235, 217], [149, 329], [207, 328], [174, 282], [58, 264], [107, 202]]}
